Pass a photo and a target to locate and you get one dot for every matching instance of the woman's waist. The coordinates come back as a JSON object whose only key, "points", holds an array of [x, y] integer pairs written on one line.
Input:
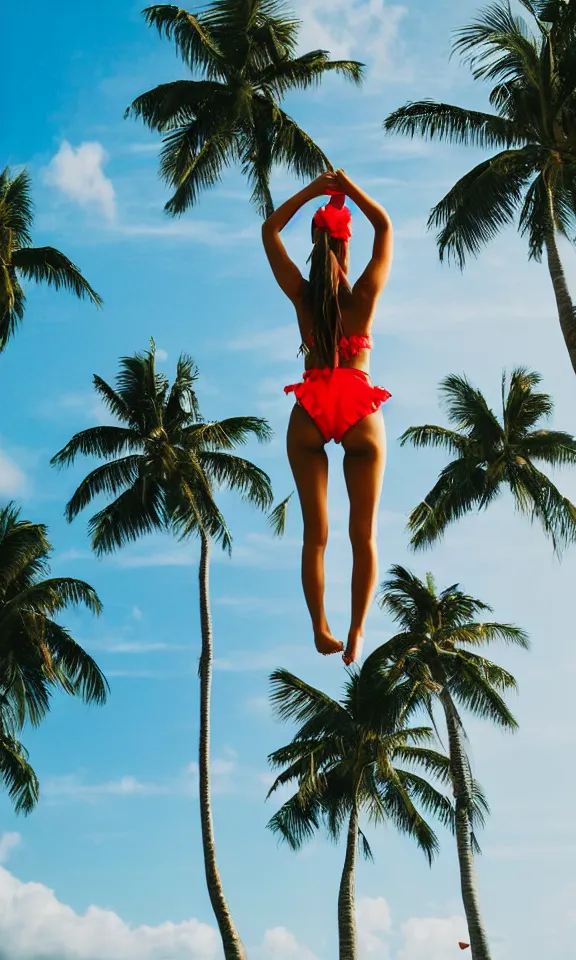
{"points": [[348, 372]]}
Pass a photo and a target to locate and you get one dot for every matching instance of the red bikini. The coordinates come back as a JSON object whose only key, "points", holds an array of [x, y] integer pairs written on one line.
{"points": [[338, 397]]}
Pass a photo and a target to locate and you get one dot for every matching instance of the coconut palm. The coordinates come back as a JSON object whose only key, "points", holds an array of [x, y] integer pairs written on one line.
{"points": [[353, 758], [37, 654], [163, 466], [490, 455], [532, 129], [243, 54], [434, 657], [19, 260]]}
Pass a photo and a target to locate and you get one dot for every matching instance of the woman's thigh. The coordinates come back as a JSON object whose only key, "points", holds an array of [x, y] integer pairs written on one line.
{"points": [[309, 464], [364, 462]]}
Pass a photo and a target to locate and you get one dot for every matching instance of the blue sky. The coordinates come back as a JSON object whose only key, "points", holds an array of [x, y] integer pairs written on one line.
{"points": [[109, 866]]}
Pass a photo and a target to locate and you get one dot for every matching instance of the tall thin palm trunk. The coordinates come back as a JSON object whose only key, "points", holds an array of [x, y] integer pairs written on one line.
{"points": [[231, 942], [566, 309], [478, 938], [348, 943]]}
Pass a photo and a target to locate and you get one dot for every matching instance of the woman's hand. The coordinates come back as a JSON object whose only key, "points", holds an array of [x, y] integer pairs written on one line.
{"points": [[342, 182], [323, 183]]}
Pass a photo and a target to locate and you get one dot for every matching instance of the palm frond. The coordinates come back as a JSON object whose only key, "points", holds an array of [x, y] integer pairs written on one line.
{"points": [[110, 478], [523, 407], [191, 35], [289, 73], [499, 46], [296, 150], [226, 434], [172, 105], [135, 513], [193, 167], [443, 121], [48, 265], [293, 699], [242, 476], [106, 441], [75, 670], [460, 488], [429, 435], [482, 202], [17, 776], [22, 543], [554, 447], [277, 517], [537, 496], [16, 206]]}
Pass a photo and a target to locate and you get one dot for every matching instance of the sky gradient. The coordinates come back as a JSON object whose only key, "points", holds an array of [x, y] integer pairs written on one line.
{"points": [[109, 866]]}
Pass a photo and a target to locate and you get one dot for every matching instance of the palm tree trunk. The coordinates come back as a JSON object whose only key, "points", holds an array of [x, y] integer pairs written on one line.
{"points": [[566, 309], [231, 942], [478, 938], [347, 939]]}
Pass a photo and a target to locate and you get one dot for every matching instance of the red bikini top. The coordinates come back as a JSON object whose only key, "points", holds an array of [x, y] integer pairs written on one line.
{"points": [[348, 347]]}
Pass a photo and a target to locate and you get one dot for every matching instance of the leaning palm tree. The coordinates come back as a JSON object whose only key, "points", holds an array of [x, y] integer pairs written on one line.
{"points": [[353, 758], [532, 130], [434, 658], [163, 465], [19, 260], [37, 654], [491, 455], [243, 54]]}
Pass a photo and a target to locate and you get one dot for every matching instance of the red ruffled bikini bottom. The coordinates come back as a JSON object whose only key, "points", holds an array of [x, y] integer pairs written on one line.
{"points": [[337, 398]]}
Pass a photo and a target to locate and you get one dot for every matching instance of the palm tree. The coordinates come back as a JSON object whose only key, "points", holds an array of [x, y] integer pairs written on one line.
{"points": [[490, 455], [20, 260], [37, 654], [162, 466], [533, 131], [243, 52], [344, 760], [432, 659]]}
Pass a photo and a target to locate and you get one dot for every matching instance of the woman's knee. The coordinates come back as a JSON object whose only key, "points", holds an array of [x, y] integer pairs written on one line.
{"points": [[316, 536], [363, 536]]}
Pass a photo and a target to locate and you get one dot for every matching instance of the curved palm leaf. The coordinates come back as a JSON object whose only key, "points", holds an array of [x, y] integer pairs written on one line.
{"points": [[48, 265]]}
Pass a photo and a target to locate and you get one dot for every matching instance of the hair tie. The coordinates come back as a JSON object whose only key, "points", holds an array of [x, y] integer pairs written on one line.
{"points": [[335, 217]]}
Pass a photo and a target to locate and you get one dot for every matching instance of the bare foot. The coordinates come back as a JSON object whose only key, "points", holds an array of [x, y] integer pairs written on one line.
{"points": [[327, 644], [353, 651]]}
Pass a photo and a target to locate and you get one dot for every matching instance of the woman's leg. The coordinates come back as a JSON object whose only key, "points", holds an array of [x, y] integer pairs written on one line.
{"points": [[364, 461], [310, 468]]}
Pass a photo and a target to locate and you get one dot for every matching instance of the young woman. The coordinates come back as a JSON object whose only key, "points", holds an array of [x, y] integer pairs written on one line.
{"points": [[336, 399]]}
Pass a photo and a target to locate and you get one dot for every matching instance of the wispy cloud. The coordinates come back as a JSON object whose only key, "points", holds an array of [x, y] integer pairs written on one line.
{"points": [[8, 843], [13, 480], [354, 29], [72, 788], [78, 173]]}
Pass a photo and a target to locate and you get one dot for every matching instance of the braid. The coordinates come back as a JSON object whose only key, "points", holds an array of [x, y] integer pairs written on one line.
{"points": [[324, 284]]}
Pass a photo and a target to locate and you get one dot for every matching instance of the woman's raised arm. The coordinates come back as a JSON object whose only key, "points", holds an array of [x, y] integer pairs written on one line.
{"points": [[287, 274], [373, 280]]}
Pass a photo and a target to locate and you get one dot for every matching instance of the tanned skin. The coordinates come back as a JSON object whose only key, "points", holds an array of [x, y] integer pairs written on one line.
{"points": [[364, 443]]}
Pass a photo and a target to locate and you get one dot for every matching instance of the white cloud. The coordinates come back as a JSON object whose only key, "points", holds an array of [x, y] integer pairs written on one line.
{"points": [[13, 480], [136, 613], [78, 173], [139, 646], [367, 30], [70, 787], [373, 920], [86, 403], [431, 938], [8, 843], [280, 944], [34, 924]]}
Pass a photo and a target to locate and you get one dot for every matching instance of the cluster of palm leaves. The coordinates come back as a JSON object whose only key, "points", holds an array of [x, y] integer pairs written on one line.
{"points": [[374, 756]]}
